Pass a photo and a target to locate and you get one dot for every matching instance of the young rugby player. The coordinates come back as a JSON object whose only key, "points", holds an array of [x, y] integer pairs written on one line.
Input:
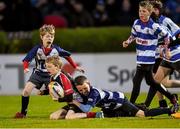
{"points": [[70, 111], [172, 28], [146, 32], [40, 75], [113, 104]]}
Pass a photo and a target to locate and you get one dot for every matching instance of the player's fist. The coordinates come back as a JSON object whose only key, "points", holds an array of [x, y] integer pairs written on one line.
{"points": [[125, 44], [80, 69], [26, 70]]}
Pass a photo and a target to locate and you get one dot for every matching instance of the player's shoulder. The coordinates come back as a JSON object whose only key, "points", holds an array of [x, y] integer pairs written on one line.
{"points": [[136, 22]]}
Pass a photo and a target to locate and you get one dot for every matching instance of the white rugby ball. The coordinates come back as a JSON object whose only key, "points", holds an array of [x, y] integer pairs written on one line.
{"points": [[56, 90]]}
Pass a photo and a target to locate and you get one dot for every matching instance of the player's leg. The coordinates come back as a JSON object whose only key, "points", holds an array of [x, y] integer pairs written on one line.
{"points": [[152, 91], [36, 80], [162, 75], [159, 111], [25, 99], [59, 114], [150, 81], [71, 114], [136, 84]]}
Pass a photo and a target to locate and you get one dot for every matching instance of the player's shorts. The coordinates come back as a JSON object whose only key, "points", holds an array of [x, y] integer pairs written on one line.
{"points": [[171, 65], [156, 65], [72, 107], [127, 109], [39, 78]]}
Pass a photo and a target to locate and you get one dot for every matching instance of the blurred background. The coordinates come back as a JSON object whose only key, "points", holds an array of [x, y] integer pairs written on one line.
{"points": [[28, 15], [93, 30]]}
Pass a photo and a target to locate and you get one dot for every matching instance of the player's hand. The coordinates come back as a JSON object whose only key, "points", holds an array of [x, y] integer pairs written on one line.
{"points": [[40, 92], [52, 96], [80, 69], [26, 70], [168, 54], [125, 44]]}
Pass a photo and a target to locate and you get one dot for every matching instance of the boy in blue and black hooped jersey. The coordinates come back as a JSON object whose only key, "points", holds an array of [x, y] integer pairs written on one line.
{"points": [[112, 103]]}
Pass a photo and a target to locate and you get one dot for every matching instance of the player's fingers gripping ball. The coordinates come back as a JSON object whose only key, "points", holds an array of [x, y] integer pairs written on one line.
{"points": [[55, 90]]}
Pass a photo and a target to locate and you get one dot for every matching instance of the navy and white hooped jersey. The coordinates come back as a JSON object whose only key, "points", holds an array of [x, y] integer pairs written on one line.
{"points": [[168, 24], [147, 35], [104, 98], [173, 29], [38, 54]]}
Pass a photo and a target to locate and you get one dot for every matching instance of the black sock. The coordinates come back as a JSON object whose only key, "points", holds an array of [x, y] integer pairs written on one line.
{"points": [[163, 103], [25, 102], [151, 93], [164, 91], [157, 111]]}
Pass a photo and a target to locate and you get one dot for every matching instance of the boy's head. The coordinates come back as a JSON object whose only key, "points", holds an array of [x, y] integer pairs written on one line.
{"points": [[157, 8], [53, 64], [47, 33], [82, 84], [145, 10]]}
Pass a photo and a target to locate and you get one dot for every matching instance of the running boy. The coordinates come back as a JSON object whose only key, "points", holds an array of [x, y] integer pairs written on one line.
{"points": [[173, 29], [146, 34], [40, 74]]}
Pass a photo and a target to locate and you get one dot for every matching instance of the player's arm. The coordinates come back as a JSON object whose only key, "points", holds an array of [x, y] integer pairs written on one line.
{"points": [[66, 98], [29, 57], [128, 41], [162, 33], [67, 56], [132, 37], [83, 107]]}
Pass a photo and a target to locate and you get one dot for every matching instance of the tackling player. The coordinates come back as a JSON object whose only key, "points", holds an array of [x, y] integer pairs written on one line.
{"points": [[113, 104], [40, 75]]}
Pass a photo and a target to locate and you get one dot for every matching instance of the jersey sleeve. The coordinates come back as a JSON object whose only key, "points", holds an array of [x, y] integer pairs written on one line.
{"points": [[171, 25], [62, 52], [93, 98], [133, 30], [31, 54]]}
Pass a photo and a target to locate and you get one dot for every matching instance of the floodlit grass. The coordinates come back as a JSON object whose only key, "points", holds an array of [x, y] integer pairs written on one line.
{"points": [[41, 106]]}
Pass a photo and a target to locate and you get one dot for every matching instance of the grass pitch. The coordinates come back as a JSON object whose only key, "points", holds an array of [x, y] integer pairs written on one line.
{"points": [[41, 106]]}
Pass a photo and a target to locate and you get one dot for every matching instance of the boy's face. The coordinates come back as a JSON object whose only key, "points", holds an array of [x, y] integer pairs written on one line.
{"points": [[156, 11], [47, 39], [52, 69], [84, 89], [144, 14]]}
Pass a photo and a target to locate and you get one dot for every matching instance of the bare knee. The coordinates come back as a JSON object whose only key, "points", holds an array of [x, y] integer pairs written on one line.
{"points": [[28, 89], [54, 116]]}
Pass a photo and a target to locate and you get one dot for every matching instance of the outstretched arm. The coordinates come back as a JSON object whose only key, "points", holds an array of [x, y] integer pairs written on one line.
{"points": [[83, 107]]}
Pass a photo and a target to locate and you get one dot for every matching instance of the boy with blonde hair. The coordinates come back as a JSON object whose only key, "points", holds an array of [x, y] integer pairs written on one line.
{"points": [[40, 75]]}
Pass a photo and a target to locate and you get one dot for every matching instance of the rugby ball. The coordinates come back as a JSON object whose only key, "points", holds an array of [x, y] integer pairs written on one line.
{"points": [[56, 90]]}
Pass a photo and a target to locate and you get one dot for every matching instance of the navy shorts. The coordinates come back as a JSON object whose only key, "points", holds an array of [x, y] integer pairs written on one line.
{"points": [[171, 65], [39, 78], [72, 107], [126, 110]]}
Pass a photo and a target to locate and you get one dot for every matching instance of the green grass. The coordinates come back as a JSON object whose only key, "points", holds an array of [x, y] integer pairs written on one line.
{"points": [[41, 106]]}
